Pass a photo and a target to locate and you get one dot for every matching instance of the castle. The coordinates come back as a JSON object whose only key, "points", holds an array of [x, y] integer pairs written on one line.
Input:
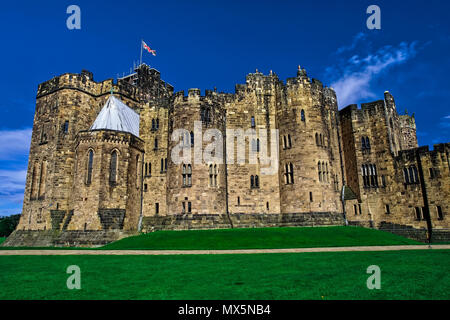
{"points": [[100, 164]]}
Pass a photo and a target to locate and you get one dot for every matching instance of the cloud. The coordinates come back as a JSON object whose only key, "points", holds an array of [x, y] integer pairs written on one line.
{"points": [[354, 75], [14, 143], [12, 185], [445, 122], [359, 36]]}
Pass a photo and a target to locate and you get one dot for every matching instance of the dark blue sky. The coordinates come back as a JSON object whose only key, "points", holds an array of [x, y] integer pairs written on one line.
{"points": [[206, 44]]}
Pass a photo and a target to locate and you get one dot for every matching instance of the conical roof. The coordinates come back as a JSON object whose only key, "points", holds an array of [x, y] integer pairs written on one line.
{"points": [[116, 115]]}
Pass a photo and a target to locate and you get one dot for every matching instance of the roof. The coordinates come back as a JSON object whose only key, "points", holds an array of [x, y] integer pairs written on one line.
{"points": [[116, 115], [349, 194]]}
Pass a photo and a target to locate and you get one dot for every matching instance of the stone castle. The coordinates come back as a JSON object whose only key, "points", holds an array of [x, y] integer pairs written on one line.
{"points": [[100, 162]]}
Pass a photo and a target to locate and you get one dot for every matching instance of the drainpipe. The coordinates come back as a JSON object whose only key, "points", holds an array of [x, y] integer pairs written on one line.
{"points": [[425, 197]]}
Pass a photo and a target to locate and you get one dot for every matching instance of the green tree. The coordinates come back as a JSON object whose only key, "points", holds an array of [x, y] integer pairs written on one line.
{"points": [[8, 224]]}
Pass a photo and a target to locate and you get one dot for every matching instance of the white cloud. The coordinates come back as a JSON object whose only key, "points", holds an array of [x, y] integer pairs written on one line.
{"points": [[357, 74], [14, 143], [359, 36]]}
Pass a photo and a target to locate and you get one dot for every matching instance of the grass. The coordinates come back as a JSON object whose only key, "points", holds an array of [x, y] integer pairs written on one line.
{"points": [[328, 275], [260, 238], [2, 239]]}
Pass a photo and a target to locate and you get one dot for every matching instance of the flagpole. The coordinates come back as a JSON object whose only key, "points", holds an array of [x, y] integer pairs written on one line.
{"points": [[141, 53]]}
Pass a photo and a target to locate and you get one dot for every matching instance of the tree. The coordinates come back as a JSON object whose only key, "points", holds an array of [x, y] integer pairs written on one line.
{"points": [[8, 224]]}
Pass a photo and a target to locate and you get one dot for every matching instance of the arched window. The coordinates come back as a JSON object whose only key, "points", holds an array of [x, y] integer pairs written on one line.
{"points": [[156, 143], [42, 180], [253, 124], [256, 181], [326, 172], [257, 145], [416, 176], [302, 115], [411, 175], [165, 164], [149, 168], [157, 123], [189, 175], [324, 177], [184, 175], [90, 166], [153, 124], [317, 139], [215, 175], [192, 139], [113, 167], [291, 173], [284, 142], [211, 176], [319, 170], [286, 174], [289, 141], [252, 181], [34, 182], [363, 143], [321, 139], [367, 143], [146, 170], [138, 171], [162, 165]]}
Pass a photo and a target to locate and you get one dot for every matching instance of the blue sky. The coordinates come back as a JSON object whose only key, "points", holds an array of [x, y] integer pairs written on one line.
{"points": [[207, 44]]}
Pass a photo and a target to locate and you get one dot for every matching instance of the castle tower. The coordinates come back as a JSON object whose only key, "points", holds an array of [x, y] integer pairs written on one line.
{"points": [[196, 186], [310, 173], [108, 172]]}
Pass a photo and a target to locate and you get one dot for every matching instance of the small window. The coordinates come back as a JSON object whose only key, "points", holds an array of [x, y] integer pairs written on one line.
{"points": [[253, 122], [359, 207], [156, 208], [145, 187], [157, 123], [239, 201], [302, 115], [267, 205], [66, 126], [388, 210], [310, 197], [189, 207], [192, 139], [355, 208], [439, 213], [156, 143], [90, 167], [418, 214], [113, 168]]}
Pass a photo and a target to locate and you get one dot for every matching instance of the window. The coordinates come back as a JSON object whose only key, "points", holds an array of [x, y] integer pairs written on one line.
{"points": [[192, 139], [145, 187], [253, 124], [156, 208], [213, 175], [156, 144], [284, 142], [42, 180], [289, 141], [189, 207], [149, 168], [359, 207], [66, 126], [138, 173], [317, 139], [302, 115], [388, 209], [355, 208], [205, 115], [165, 164], [34, 182], [418, 214], [153, 124], [113, 168], [289, 173], [411, 175], [162, 165], [383, 181], [157, 123], [310, 197], [267, 205], [187, 175], [239, 201], [365, 143], [432, 173], [254, 181], [439, 213], [90, 166]]}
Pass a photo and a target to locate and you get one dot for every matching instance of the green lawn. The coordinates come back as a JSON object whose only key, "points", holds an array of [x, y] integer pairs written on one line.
{"points": [[261, 238], [331, 275]]}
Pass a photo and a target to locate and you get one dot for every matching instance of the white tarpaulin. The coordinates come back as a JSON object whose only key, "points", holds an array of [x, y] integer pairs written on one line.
{"points": [[116, 115]]}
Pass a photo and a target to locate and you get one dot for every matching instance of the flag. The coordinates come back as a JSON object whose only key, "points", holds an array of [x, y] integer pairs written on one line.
{"points": [[146, 47]]}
